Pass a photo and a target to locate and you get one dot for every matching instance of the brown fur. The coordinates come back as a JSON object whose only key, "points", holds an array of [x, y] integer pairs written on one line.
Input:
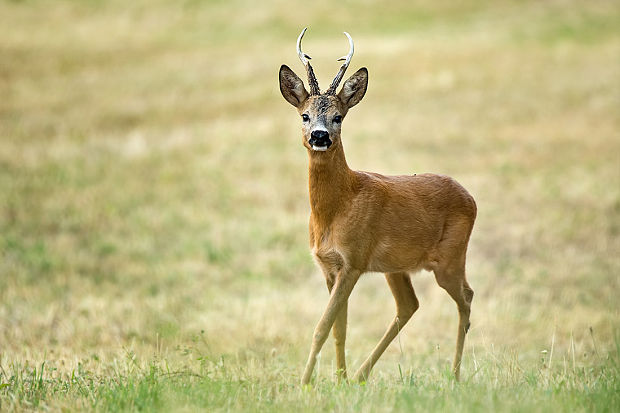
{"points": [[362, 221]]}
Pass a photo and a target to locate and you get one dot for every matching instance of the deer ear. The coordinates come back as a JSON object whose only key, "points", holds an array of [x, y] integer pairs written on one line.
{"points": [[354, 88], [292, 87]]}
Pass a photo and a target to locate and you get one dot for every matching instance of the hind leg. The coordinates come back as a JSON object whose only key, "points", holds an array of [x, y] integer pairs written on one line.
{"points": [[452, 279]]}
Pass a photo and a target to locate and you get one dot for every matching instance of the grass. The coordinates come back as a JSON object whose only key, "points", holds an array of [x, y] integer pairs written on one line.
{"points": [[233, 384], [238, 383], [153, 204]]}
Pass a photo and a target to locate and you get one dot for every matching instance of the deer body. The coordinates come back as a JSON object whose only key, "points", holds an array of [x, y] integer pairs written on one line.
{"points": [[386, 223], [363, 221]]}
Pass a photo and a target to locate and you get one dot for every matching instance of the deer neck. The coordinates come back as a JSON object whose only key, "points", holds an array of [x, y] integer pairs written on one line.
{"points": [[331, 184]]}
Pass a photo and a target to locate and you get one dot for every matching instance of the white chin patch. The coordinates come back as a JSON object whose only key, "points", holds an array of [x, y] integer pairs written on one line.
{"points": [[319, 148]]}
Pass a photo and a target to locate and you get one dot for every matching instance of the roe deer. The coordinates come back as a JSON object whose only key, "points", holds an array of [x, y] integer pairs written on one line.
{"points": [[364, 221]]}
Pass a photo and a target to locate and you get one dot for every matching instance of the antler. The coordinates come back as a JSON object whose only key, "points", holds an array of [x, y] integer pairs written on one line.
{"points": [[343, 68], [314, 84]]}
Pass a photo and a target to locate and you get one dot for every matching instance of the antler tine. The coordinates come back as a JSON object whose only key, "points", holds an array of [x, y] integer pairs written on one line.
{"points": [[313, 83], [343, 68]]}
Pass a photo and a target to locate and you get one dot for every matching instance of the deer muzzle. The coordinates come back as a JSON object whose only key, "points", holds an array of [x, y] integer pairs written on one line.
{"points": [[319, 140]]}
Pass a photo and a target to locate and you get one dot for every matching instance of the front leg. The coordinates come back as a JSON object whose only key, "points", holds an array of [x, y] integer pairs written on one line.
{"points": [[340, 332], [337, 301]]}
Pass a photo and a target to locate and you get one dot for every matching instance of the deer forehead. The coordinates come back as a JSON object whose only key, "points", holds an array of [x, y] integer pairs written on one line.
{"points": [[322, 105]]}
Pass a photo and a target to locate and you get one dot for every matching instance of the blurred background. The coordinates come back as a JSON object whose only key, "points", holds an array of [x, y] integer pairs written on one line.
{"points": [[153, 185]]}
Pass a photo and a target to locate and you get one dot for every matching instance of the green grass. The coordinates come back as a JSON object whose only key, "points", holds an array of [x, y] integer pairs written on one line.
{"points": [[236, 383], [153, 203]]}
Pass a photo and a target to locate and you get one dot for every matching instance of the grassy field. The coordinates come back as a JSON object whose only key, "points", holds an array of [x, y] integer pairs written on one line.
{"points": [[153, 203]]}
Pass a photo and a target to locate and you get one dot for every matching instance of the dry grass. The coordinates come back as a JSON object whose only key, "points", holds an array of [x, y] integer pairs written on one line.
{"points": [[153, 186]]}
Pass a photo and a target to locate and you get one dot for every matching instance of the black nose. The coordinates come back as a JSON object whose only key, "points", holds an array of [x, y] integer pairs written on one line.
{"points": [[320, 138], [319, 135]]}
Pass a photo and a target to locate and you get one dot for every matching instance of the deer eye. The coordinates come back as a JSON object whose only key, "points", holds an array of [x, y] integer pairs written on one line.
{"points": [[305, 117], [337, 119]]}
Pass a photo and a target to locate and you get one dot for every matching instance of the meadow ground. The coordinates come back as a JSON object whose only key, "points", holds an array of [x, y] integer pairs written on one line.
{"points": [[153, 203]]}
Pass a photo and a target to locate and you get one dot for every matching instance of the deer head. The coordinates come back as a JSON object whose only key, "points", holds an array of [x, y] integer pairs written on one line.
{"points": [[322, 113]]}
